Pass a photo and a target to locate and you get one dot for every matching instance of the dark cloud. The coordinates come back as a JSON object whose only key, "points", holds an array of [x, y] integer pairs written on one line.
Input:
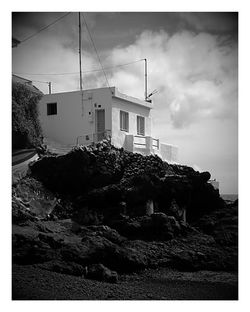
{"points": [[22, 22], [212, 22], [110, 29]]}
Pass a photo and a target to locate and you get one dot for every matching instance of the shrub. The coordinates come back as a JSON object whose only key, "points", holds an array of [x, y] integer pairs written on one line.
{"points": [[26, 129]]}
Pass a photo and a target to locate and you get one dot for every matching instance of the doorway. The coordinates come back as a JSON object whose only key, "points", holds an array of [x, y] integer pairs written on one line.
{"points": [[100, 124]]}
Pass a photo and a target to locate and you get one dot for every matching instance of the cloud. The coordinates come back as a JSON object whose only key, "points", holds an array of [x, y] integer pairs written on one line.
{"points": [[196, 74], [211, 21]]}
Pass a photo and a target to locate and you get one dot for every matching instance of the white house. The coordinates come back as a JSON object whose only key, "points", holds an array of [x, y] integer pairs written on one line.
{"points": [[80, 118]]}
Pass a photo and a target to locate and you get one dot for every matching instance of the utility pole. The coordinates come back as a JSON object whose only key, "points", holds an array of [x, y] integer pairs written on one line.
{"points": [[80, 57], [146, 80]]}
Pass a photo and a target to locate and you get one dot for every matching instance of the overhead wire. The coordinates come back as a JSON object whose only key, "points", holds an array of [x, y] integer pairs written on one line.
{"points": [[40, 81], [74, 73], [77, 73], [97, 54], [45, 27]]}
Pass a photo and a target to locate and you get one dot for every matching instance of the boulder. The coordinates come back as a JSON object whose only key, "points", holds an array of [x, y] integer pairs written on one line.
{"points": [[59, 266], [126, 259], [28, 249], [105, 231], [159, 218], [184, 261], [21, 212], [101, 273]]}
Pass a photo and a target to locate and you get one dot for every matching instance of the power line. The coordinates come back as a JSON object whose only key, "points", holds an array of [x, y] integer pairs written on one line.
{"points": [[40, 81], [77, 73], [31, 36], [90, 36]]}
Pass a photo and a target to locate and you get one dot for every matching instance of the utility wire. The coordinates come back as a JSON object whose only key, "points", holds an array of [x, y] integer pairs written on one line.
{"points": [[90, 36], [31, 36], [76, 73], [40, 81]]}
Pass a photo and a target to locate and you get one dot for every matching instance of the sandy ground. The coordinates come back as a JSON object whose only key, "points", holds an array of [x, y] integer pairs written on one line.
{"points": [[32, 283]]}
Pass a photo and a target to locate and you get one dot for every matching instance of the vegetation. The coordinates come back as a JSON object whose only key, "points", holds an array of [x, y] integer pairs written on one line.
{"points": [[26, 129]]}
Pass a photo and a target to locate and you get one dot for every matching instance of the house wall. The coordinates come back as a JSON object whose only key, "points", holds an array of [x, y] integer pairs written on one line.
{"points": [[69, 123], [119, 138]]}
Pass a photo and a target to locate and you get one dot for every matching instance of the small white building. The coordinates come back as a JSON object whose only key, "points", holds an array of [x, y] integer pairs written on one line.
{"points": [[81, 118]]}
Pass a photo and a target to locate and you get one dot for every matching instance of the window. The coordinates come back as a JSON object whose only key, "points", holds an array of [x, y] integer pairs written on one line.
{"points": [[124, 121], [52, 109], [140, 125]]}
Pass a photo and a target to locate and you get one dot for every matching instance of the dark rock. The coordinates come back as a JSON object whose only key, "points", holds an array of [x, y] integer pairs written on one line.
{"points": [[159, 218], [97, 185], [55, 241], [125, 259], [20, 213], [63, 267], [30, 251], [205, 176], [184, 261], [110, 234], [103, 176], [94, 248], [101, 273]]}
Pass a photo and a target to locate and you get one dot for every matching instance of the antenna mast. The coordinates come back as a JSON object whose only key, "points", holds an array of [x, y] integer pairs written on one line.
{"points": [[80, 50], [146, 80], [80, 57]]}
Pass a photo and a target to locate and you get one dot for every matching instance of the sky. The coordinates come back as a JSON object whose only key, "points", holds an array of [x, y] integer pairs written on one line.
{"points": [[192, 63]]}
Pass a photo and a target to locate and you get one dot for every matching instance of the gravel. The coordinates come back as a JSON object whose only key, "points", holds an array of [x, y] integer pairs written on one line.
{"points": [[31, 283]]}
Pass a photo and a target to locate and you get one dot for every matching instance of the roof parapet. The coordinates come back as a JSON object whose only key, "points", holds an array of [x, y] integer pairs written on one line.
{"points": [[132, 99]]}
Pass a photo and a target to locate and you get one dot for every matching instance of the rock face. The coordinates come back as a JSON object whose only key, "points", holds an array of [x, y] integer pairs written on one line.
{"points": [[66, 247], [97, 179], [157, 227], [98, 225]]}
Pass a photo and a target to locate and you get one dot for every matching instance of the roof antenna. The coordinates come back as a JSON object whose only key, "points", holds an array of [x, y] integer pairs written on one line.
{"points": [[152, 93], [80, 57], [146, 79]]}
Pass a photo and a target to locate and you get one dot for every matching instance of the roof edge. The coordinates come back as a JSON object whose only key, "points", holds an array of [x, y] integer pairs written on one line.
{"points": [[129, 98]]}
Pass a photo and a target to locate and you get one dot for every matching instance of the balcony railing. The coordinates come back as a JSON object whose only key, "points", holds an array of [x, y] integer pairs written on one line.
{"points": [[146, 142], [139, 141], [155, 143]]}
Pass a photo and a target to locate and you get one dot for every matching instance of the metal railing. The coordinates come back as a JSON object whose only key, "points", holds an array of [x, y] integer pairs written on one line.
{"points": [[93, 137], [141, 141], [156, 143]]}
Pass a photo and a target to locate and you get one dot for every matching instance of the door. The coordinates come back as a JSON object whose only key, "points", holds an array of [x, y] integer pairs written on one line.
{"points": [[100, 124]]}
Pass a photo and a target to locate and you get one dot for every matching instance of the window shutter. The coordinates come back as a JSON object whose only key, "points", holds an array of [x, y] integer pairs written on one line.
{"points": [[140, 125], [124, 123]]}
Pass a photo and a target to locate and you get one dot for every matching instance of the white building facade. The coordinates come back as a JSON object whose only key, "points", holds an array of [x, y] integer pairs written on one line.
{"points": [[81, 118]]}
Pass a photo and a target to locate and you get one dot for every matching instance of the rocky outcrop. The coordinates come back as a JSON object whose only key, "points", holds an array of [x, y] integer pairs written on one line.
{"points": [[158, 226], [66, 247], [84, 214], [222, 225], [97, 179]]}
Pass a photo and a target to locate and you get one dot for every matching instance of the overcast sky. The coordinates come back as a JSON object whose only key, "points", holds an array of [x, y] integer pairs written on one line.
{"points": [[192, 62]]}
